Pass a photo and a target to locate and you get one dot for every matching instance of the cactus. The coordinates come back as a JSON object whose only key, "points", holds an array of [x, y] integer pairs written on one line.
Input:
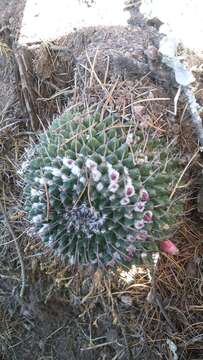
{"points": [[98, 191]]}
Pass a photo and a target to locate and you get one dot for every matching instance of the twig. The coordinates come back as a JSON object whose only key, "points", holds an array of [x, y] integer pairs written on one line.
{"points": [[183, 78], [98, 346], [196, 119], [62, 49], [17, 249], [183, 173], [161, 308], [10, 125], [147, 100], [93, 72], [175, 101], [93, 68], [48, 201], [194, 339], [21, 56], [154, 297], [3, 28], [55, 332]]}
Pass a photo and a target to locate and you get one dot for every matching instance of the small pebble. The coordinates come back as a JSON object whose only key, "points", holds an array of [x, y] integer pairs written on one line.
{"points": [[126, 300]]}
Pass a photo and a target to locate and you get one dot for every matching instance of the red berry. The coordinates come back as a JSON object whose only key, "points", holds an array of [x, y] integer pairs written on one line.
{"points": [[169, 247]]}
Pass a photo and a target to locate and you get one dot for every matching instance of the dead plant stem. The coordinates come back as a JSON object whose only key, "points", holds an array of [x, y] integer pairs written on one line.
{"points": [[17, 249]]}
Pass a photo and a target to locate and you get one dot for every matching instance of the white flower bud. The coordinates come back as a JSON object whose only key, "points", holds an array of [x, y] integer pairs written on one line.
{"points": [[56, 172], [113, 187], [37, 219], [99, 186], [75, 170], [68, 162], [90, 164], [96, 175]]}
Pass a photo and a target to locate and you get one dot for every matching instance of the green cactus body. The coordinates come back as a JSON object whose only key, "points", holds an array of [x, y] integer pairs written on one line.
{"points": [[98, 192]]}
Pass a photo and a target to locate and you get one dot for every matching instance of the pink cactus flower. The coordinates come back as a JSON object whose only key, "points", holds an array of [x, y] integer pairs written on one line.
{"points": [[139, 206], [142, 235], [147, 217], [90, 164], [112, 262], [116, 256], [139, 224], [169, 247], [128, 258], [131, 250], [124, 201], [113, 187], [113, 175], [144, 195], [128, 215], [129, 190], [131, 238], [68, 162]]}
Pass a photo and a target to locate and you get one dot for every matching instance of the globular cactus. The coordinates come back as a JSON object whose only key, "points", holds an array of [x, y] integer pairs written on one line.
{"points": [[98, 191]]}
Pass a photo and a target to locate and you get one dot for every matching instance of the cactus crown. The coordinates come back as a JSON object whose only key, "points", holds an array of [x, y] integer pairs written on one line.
{"points": [[98, 191]]}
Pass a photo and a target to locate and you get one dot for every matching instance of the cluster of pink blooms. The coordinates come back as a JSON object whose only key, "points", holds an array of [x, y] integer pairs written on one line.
{"points": [[147, 218], [142, 200], [140, 235], [129, 191], [166, 245], [140, 207]]}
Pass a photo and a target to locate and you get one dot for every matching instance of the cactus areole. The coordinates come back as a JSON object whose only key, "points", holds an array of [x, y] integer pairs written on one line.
{"points": [[98, 191]]}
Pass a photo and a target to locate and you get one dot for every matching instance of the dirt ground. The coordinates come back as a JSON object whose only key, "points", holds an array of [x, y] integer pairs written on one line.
{"points": [[83, 314]]}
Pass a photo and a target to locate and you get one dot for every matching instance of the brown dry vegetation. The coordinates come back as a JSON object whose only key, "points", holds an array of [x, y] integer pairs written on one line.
{"points": [[78, 314]]}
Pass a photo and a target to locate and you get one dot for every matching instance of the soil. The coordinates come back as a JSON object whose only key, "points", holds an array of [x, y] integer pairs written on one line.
{"points": [[82, 314]]}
